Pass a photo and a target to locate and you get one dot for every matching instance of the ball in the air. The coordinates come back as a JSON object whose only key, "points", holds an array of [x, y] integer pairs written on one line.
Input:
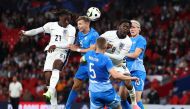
{"points": [[93, 13]]}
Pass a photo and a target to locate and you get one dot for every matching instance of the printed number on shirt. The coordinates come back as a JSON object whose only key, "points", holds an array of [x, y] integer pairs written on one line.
{"points": [[92, 72], [58, 38], [62, 56]]}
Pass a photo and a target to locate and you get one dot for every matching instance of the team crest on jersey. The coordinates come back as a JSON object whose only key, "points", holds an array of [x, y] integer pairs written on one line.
{"points": [[121, 45], [64, 31]]}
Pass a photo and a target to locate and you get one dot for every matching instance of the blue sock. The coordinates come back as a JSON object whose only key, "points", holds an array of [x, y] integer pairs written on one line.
{"points": [[72, 96], [125, 104], [140, 104]]}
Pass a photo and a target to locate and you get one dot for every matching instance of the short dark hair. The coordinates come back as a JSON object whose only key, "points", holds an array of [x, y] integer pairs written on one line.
{"points": [[85, 18], [124, 21], [101, 43]]}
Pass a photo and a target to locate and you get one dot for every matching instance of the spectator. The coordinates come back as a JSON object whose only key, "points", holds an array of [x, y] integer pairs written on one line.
{"points": [[153, 97], [15, 91]]}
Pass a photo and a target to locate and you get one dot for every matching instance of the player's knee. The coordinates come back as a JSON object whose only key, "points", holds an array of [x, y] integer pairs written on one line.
{"points": [[58, 64]]}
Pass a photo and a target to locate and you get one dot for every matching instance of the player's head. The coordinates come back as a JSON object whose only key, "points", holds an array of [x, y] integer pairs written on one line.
{"points": [[123, 28], [135, 28], [83, 23], [101, 44], [14, 78], [64, 16]]}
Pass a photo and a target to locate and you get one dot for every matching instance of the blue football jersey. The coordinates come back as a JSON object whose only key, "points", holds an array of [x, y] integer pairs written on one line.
{"points": [[98, 71], [137, 64], [86, 40]]}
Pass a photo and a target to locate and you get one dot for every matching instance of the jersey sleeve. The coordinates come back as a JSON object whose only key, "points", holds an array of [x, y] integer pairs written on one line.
{"points": [[94, 38], [46, 27], [141, 43], [109, 64]]}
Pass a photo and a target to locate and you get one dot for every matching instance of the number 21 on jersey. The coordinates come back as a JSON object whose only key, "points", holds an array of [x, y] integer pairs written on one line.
{"points": [[92, 71], [57, 37]]}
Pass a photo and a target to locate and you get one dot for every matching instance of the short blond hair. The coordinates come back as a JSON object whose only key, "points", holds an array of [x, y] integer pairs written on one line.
{"points": [[136, 22]]}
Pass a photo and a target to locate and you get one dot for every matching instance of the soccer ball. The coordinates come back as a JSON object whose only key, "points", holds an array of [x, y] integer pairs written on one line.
{"points": [[93, 13]]}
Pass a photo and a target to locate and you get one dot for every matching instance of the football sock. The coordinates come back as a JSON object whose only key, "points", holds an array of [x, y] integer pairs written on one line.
{"points": [[125, 104], [53, 100], [140, 104], [54, 80], [132, 96], [72, 96]]}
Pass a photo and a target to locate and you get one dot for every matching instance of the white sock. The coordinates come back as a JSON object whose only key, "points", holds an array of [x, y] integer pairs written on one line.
{"points": [[54, 80], [53, 100], [132, 96]]}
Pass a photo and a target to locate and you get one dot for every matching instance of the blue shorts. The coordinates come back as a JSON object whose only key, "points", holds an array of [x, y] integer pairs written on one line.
{"points": [[108, 98], [82, 72], [142, 76]]}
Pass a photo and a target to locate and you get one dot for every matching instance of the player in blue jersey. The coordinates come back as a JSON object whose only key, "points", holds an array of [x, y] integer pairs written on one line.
{"points": [[85, 41], [134, 59], [100, 67]]}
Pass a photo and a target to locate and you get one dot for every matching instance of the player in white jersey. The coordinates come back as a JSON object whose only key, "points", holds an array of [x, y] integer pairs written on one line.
{"points": [[120, 44], [62, 35]]}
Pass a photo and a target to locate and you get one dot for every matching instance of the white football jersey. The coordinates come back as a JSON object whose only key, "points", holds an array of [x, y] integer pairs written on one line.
{"points": [[119, 46], [59, 35]]}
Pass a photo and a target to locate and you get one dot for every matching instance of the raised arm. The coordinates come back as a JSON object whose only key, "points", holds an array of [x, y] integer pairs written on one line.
{"points": [[32, 32], [36, 31]]}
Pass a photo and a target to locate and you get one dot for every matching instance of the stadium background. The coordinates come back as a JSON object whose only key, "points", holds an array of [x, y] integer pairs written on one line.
{"points": [[165, 25]]}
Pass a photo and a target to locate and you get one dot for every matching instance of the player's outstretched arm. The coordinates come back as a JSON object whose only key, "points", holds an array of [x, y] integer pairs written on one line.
{"points": [[31, 32], [117, 75], [76, 48]]}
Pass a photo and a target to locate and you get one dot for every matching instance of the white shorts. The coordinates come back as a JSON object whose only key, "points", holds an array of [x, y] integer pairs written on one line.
{"points": [[51, 57], [122, 69]]}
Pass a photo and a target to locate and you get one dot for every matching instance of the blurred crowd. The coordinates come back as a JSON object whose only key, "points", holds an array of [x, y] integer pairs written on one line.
{"points": [[165, 25]]}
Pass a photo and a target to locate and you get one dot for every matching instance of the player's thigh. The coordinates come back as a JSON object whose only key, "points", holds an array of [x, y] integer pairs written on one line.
{"points": [[139, 86], [82, 72], [60, 55], [60, 59], [95, 100]]}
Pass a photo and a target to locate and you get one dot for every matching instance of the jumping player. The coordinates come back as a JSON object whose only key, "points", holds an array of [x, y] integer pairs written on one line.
{"points": [[62, 35]]}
